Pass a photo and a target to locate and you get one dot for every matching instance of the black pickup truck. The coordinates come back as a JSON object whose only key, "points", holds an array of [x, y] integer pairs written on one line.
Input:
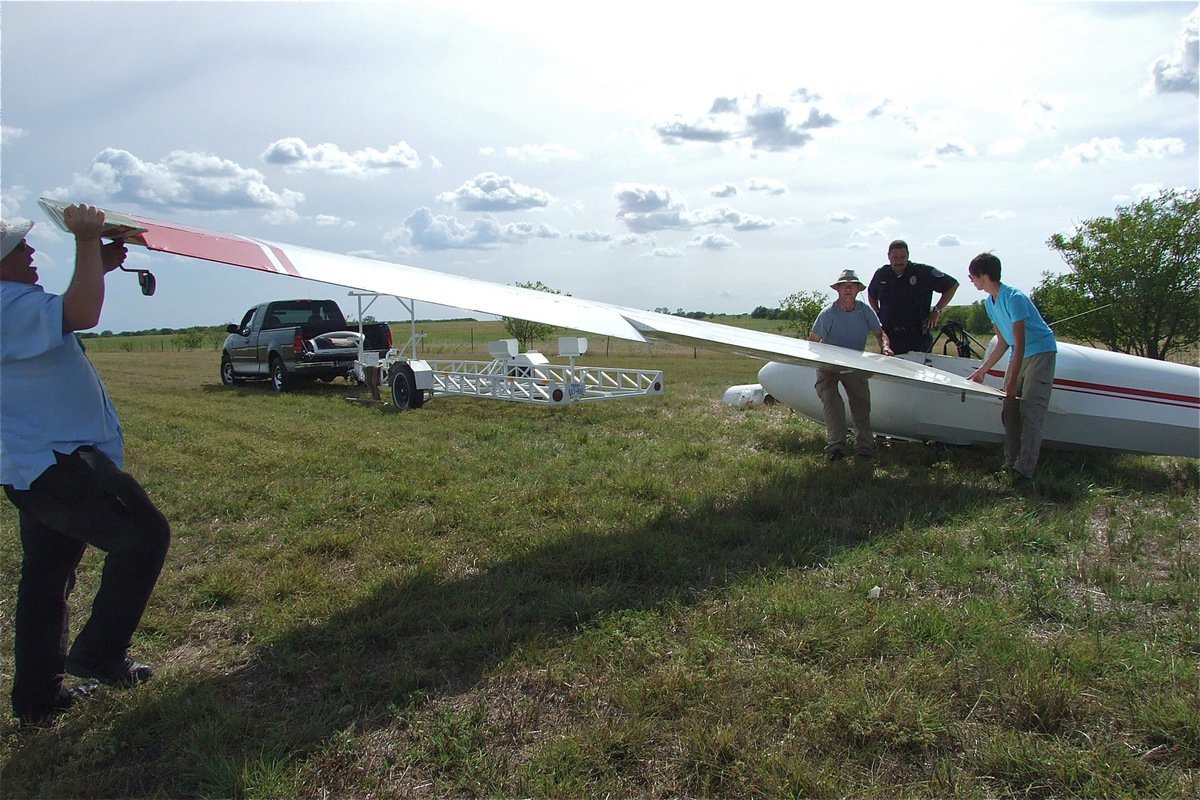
{"points": [[290, 341]]}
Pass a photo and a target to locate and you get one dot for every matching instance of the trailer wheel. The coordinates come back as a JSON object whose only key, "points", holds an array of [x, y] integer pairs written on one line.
{"points": [[279, 375], [405, 393], [228, 376]]}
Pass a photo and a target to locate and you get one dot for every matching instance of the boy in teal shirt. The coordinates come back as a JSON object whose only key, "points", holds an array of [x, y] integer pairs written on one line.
{"points": [[1030, 374]]}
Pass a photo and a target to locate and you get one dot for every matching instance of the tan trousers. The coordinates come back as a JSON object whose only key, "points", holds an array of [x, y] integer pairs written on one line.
{"points": [[1024, 417], [858, 393]]}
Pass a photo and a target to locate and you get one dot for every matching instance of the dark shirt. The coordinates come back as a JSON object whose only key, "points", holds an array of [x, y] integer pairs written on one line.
{"points": [[904, 301]]}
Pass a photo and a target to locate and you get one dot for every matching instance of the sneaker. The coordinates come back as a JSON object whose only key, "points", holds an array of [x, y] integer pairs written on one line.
{"points": [[125, 672], [67, 697]]}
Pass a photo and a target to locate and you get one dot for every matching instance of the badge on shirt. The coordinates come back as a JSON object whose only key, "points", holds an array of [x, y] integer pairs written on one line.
{"points": [[912, 280]]}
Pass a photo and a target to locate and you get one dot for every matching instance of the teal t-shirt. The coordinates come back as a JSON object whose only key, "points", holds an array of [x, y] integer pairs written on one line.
{"points": [[1012, 305]]}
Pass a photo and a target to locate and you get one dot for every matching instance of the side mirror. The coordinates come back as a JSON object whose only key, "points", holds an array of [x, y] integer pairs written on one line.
{"points": [[231, 328]]}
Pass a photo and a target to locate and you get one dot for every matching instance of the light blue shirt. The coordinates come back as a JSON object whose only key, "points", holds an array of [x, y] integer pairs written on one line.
{"points": [[51, 399], [1011, 306], [846, 328]]}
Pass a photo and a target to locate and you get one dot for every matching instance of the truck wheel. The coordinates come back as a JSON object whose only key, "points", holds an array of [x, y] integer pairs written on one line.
{"points": [[279, 375], [405, 393], [228, 376]]}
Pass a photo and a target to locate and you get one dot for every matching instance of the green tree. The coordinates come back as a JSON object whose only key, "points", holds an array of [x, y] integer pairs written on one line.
{"points": [[973, 317], [1144, 265], [800, 311], [525, 331]]}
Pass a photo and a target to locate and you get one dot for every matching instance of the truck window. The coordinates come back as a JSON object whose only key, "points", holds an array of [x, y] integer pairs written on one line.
{"points": [[288, 313]]}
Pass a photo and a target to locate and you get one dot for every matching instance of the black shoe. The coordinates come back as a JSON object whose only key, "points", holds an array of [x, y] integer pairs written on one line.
{"points": [[125, 672], [835, 455], [66, 698]]}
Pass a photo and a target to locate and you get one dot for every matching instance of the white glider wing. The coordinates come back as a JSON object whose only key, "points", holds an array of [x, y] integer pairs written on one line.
{"points": [[486, 297]]}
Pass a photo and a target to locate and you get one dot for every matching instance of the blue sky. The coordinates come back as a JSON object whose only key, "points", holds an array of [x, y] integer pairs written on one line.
{"points": [[692, 155]]}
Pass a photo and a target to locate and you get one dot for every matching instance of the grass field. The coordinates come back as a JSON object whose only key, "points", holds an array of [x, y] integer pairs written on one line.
{"points": [[660, 597]]}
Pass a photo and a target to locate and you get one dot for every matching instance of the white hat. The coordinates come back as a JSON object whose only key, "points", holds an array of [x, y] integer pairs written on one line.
{"points": [[12, 235]]}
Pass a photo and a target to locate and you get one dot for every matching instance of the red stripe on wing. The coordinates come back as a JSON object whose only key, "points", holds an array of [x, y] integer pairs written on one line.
{"points": [[222, 248]]}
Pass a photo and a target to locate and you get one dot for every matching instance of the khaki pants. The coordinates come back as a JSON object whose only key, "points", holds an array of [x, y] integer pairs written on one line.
{"points": [[1024, 417], [858, 393]]}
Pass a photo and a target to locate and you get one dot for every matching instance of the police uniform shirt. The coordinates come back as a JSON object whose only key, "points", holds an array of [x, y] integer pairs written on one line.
{"points": [[904, 300]]}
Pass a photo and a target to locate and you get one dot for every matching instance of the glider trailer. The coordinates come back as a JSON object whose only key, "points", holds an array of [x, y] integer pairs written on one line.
{"points": [[513, 376]]}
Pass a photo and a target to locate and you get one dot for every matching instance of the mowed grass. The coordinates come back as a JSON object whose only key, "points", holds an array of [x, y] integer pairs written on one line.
{"points": [[659, 597]]}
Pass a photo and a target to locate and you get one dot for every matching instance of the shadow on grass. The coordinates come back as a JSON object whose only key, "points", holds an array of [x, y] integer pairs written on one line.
{"points": [[430, 634]]}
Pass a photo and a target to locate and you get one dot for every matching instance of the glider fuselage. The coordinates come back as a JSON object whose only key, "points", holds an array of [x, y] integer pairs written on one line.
{"points": [[1101, 400]]}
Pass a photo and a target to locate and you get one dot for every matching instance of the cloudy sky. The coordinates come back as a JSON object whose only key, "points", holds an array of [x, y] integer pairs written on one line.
{"points": [[690, 155]]}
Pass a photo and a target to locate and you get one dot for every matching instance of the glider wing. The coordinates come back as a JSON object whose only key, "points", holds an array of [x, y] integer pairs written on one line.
{"points": [[454, 291]]}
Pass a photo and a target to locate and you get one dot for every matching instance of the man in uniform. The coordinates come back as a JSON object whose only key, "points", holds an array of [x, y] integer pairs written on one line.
{"points": [[901, 293]]}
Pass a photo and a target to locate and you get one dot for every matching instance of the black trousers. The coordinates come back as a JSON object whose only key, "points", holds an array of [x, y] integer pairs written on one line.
{"points": [[82, 500], [909, 340]]}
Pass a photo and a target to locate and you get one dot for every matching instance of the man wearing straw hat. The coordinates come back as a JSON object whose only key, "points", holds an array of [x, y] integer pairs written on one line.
{"points": [[847, 323], [61, 457]]}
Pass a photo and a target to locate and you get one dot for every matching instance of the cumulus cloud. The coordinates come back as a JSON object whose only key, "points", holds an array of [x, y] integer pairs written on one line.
{"points": [[10, 201], [997, 214], [647, 207], [876, 229], [947, 240], [772, 129], [724, 190], [438, 232], [491, 192], [739, 221], [591, 236], [182, 179], [329, 221], [666, 252], [767, 185], [764, 126], [840, 217], [954, 148], [712, 241], [295, 155], [1099, 151], [1176, 72], [9, 134]]}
